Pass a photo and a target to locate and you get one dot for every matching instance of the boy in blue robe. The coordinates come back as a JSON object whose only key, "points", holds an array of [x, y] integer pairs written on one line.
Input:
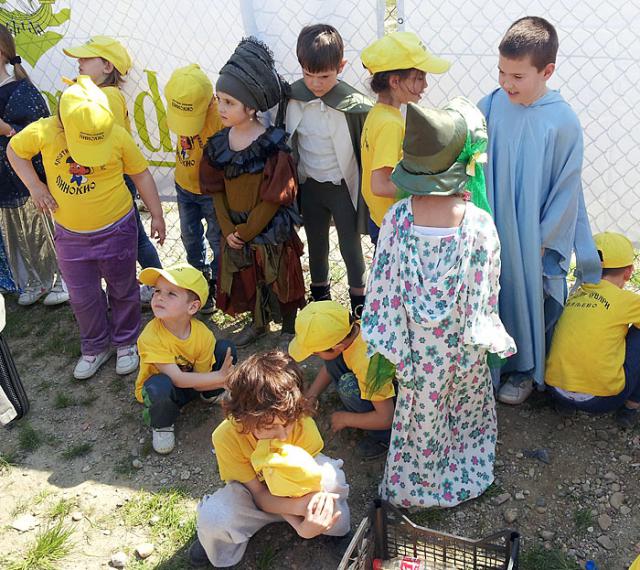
{"points": [[535, 190]]}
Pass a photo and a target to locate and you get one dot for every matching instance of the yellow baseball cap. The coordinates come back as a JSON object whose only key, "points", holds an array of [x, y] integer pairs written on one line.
{"points": [[615, 249], [288, 470], [182, 275], [401, 50], [188, 93], [319, 326], [87, 121], [106, 48]]}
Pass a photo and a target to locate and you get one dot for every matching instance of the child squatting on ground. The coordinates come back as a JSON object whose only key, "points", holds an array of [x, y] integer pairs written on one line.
{"points": [[192, 114], [534, 187], [265, 408], [85, 156], [594, 362], [327, 330], [180, 358], [325, 117]]}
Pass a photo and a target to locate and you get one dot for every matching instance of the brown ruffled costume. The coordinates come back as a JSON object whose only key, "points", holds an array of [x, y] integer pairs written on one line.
{"points": [[254, 191]]}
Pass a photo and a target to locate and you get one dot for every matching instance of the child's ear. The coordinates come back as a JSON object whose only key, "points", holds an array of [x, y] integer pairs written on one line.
{"points": [[108, 66], [194, 307], [548, 70], [341, 66]]}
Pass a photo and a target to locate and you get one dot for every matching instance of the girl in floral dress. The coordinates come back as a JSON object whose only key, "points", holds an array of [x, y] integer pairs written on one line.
{"points": [[432, 311]]}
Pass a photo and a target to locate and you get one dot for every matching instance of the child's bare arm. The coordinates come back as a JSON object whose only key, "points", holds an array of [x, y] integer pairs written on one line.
{"points": [[269, 503], [380, 417], [200, 381], [319, 385], [381, 184], [146, 187], [39, 191]]}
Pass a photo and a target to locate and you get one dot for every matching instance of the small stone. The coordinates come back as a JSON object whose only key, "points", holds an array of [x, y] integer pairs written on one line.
{"points": [[118, 560], [605, 542], [547, 535], [145, 550], [184, 476], [526, 492], [591, 470], [616, 500], [590, 529], [604, 521], [624, 510], [603, 445], [106, 532], [510, 515], [519, 455], [626, 459], [611, 476], [86, 469], [615, 487], [155, 519], [501, 499], [76, 516], [141, 440], [541, 510], [24, 523], [519, 496], [137, 464], [541, 502]]}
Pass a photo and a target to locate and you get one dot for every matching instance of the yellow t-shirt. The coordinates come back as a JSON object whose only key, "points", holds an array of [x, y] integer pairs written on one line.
{"points": [[356, 359], [588, 346], [118, 107], [380, 147], [156, 345], [89, 198], [234, 448], [189, 151]]}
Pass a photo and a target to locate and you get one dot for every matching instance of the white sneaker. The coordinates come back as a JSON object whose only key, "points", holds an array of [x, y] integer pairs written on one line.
{"points": [[146, 292], [164, 440], [57, 295], [30, 295], [87, 366], [515, 393], [127, 359]]}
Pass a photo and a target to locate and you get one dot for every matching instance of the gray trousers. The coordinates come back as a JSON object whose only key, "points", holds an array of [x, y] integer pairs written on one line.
{"points": [[229, 518], [320, 202]]}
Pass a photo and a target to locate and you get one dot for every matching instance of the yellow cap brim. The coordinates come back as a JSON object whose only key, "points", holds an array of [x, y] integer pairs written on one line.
{"points": [[94, 155], [149, 276], [433, 64], [80, 51], [298, 351], [185, 126]]}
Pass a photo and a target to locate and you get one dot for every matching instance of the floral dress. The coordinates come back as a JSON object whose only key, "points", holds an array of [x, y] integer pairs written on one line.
{"points": [[431, 310]]}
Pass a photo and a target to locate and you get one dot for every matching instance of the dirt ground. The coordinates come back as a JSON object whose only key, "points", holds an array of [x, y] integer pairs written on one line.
{"points": [[82, 463]]}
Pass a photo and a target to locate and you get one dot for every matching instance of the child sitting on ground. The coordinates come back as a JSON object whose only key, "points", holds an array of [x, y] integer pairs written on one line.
{"points": [[179, 356], [594, 362], [265, 403], [326, 329]]}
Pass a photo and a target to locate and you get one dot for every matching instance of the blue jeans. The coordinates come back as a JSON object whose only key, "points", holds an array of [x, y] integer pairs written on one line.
{"points": [[350, 396], [631, 390], [163, 400], [374, 232], [193, 208], [147, 253]]}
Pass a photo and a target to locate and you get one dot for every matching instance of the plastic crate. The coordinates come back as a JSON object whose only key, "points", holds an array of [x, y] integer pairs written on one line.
{"points": [[387, 533]]}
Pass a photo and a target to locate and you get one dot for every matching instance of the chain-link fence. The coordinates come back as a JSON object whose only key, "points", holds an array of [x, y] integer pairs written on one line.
{"points": [[597, 72]]}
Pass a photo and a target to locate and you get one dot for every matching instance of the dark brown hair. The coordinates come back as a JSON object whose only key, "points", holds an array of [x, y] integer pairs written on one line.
{"points": [[380, 80], [8, 49], [614, 271], [266, 387], [320, 48], [531, 36]]}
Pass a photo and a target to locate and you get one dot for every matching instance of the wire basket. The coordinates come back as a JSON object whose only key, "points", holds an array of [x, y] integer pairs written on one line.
{"points": [[387, 533]]}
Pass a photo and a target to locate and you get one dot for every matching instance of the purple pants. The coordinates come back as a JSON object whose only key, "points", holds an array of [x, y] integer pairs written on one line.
{"points": [[87, 258]]}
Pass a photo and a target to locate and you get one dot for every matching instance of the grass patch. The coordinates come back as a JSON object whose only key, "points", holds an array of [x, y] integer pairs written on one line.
{"points": [[124, 466], [266, 558], [89, 399], [7, 460], [582, 519], [117, 385], [23, 505], [78, 450], [62, 508], [493, 490], [537, 558], [29, 439], [51, 545], [63, 400], [174, 518], [428, 517]]}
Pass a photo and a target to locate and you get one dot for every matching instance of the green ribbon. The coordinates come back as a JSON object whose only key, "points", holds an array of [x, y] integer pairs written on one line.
{"points": [[474, 155]]}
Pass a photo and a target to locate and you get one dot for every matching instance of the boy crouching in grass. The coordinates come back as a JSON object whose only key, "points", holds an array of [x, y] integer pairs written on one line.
{"points": [[265, 408]]}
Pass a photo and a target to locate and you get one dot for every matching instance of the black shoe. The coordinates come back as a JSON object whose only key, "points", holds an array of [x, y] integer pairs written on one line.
{"points": [[357, 305], [320, 292], [197, 556], [626, 418], [369, 448], [210, 306]]}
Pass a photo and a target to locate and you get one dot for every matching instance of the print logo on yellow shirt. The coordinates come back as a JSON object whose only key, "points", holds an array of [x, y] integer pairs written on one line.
{"points": [[78, 182], [183, 364], [185, 146]]}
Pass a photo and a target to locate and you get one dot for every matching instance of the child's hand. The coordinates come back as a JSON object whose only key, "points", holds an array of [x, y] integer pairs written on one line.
{"points": [[235, 241], [158, 229], [227, 366], [319, 517], [42, 198], [338, 421]]}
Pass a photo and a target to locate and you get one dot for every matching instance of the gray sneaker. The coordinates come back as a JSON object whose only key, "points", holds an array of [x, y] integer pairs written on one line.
{"points": [[515, 393]]}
